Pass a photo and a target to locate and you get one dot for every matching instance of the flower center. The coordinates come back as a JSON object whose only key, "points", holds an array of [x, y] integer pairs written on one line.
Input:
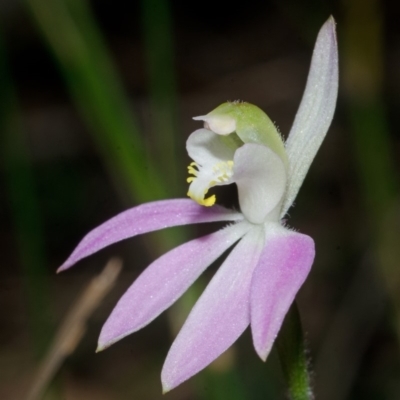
{"points": [[205, 177]]}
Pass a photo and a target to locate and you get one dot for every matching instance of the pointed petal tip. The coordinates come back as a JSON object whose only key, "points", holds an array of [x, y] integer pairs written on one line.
{"points": [[104, 343], [168, 382], [102, 346], [171, 379], [263, 353], [166, 388], [331, 20], [263, 357], [330, 24], [67, 264], [62, 268], [328, 32]]}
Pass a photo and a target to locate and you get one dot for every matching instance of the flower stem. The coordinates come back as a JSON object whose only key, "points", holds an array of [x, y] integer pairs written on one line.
{"points": [[292, 355]]}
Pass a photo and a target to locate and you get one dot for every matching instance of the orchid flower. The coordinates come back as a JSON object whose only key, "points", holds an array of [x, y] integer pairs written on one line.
{"points": [[259, 279]]}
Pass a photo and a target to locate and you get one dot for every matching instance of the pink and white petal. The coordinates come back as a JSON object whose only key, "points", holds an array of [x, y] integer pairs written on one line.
{"points": [[315, 112], [219, 317], [164, 281], [283, 267], [260, 176], [145, 218]]}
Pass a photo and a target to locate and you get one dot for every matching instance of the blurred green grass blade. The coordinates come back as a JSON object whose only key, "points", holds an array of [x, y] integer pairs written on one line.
{"points": [[292, 354], [25, 210], [75, 40], [157, 30], [363, 77], [225, 384], [364, 51], [375, 161]]}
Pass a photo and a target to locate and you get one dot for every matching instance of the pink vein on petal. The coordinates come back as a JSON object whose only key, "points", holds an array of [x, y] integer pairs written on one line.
{"points": [[145, 218]]}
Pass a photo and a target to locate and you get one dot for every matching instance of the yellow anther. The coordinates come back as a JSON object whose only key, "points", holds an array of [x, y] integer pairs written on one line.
{"points": [[220, 172], [208, 202], [192, 171]]}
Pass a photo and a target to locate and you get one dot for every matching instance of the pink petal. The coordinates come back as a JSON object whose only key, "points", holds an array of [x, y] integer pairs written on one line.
{"points": [[283, 267], [145, 218], [164, 281], [219, 317]]}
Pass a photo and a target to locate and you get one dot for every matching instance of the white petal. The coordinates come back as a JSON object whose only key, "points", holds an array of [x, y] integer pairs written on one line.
{"points": [[261, 179], [213, 156], [220, 124], [315, 112], [205, 147]]}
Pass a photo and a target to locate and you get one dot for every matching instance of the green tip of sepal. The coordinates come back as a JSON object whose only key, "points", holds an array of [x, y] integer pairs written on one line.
{"points": [[165, 389], [250, 124], [99, 349]]}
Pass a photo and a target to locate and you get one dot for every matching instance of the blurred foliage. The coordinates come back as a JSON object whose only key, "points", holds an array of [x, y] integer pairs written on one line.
{"points": [[25, 210], [73, 36]]}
